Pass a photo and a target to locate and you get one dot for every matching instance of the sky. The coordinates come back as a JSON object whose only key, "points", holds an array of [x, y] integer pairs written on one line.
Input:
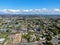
{"points": [[30, 6]]}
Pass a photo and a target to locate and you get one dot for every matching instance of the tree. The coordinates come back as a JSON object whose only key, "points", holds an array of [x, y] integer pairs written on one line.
{"points": [[8, 31], [37, 37], [49, 43], [27, 36], [55, 32], [58, 42], [48, 37]]}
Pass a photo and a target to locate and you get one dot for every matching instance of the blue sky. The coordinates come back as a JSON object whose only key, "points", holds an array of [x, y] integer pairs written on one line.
{"points": [[29, 4]]}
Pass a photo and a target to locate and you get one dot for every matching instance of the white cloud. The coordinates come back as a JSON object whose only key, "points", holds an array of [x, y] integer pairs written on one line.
{"points": [[25, 10], [9, 11], [34, 11], [14, 11], [57, 10]]}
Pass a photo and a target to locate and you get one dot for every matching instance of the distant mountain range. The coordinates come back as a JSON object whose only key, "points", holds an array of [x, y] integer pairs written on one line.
{"points": [[30, 15]]}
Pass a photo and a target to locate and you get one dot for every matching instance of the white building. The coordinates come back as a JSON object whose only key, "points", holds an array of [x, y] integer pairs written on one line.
{"points": [[2, 40]]}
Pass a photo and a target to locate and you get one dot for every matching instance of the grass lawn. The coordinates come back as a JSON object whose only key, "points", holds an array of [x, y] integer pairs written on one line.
{"points": [[6, 39], [58, 35], [3, 35]]}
